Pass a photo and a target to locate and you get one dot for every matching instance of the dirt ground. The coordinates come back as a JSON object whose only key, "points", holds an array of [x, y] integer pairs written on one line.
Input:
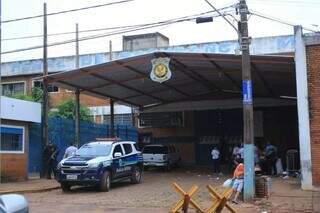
{"points": [[155, 194]]}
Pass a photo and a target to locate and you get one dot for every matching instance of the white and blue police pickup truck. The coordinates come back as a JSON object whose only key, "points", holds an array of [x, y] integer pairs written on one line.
{"points": [[99, 164]]}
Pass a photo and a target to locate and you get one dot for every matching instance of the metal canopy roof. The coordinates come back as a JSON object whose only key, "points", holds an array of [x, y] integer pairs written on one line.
{"points": [[195, 77]]}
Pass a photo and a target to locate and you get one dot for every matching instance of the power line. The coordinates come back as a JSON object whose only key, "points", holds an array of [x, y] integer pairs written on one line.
{"points": [[278, 20], [147, 26], [70, 32], [288, 2], [107, 28], [67, 11]]}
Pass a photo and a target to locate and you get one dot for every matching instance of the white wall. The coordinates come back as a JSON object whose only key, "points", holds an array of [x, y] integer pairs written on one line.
{"points": [[20, 110]]}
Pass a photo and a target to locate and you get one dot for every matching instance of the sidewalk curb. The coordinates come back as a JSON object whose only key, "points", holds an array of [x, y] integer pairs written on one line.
{"points": [[29, 190]]}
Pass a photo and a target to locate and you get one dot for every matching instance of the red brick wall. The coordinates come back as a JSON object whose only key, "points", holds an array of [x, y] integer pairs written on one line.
{"points": [[313, 67], [56, 98], [14, 167]]}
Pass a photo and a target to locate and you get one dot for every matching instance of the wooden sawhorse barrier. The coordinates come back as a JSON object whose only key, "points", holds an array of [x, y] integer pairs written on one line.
{"points": [[219, 201], [183, 203]]}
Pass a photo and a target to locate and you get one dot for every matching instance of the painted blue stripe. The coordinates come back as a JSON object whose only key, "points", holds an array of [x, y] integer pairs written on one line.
{"points": [[249, 175], [11, 130]]}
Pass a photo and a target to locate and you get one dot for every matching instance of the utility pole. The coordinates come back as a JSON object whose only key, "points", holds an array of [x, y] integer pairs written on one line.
{"points": [[44, 112], [77, 94], [248, 137], [45, 83]]}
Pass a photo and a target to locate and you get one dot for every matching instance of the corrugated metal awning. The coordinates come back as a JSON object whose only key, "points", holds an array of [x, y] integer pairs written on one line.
{"points": [[195, 77]]}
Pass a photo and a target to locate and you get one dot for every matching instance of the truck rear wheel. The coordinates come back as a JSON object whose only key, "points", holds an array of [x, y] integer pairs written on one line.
{"points": [[105, 182]]}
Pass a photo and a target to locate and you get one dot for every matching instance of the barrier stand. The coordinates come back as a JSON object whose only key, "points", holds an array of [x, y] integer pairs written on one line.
{"points": [[219, 201], [186, 199]]}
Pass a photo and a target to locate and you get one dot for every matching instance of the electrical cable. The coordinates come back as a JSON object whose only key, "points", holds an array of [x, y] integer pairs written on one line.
{"points": [[286, 2], [100, 35], [66, 11], [261, 15], [104, 29]]}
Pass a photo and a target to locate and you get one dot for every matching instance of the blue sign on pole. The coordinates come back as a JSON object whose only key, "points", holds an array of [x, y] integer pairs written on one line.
{"points": [[247, 91]]}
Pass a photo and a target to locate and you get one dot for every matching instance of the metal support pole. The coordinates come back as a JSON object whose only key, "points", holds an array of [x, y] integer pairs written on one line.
{"points": [[111, 100], [77, 94], [303, 109], [45, 83], [111, 118], [248, 137], [110, 50], [77, 118], [132, 117]]}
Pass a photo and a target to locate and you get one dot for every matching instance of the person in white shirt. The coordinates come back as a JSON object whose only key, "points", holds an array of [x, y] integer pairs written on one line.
{"points": [[235, 151], [70, 151], [241, 151], [216, 160]]}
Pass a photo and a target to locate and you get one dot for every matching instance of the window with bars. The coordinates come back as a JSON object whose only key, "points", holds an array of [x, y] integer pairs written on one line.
{"points": [[161, 119], [51, 88], [12, 139], [119, 119], [9, 89]]}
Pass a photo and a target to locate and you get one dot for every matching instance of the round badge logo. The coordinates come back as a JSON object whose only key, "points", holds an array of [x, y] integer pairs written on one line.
{"points": [[160, 70]]}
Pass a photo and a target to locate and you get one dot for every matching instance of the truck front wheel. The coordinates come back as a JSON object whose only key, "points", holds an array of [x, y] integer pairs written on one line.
{"points": [[105, 182]]}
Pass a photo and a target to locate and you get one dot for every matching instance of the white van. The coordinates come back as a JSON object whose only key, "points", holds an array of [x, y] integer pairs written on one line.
{"points": [[165, 156]]}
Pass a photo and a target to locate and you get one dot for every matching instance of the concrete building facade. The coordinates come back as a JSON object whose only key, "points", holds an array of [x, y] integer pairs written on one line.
{"points": [[16, 116]]}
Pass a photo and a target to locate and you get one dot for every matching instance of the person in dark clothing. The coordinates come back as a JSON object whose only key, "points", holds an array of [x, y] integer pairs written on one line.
{"points": [[270, 158], [50, 154]]}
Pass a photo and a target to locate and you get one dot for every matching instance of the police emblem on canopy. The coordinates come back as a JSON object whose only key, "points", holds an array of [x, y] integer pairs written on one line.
{"points": [[160, 70]]}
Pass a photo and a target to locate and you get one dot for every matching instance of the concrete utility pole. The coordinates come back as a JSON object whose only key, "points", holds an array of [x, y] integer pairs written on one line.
{"points": [[111, 100], [248, 137], [45, 83], [77, 94]]}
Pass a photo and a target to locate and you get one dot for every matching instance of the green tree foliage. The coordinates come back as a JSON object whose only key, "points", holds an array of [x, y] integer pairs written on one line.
{"points": [[67, 110], [36, 95], [22, 97]]}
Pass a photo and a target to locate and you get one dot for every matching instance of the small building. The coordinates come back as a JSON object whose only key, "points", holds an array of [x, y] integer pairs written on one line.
{"points": [[144, 41], [16, 117]]}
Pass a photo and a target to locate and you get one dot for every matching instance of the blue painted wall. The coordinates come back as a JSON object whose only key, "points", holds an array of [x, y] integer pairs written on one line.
{"points": [[61, 132]]}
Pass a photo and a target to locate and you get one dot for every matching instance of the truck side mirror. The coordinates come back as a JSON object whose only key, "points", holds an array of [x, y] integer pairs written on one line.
{"points": [[117, 155]]}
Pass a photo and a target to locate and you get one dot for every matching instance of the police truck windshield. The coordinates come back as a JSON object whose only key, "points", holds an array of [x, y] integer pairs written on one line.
{"points": [[94, 150]]}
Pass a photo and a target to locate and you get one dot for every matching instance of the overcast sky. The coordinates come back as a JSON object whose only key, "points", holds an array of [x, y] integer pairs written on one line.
{"points": [[304, 12]]}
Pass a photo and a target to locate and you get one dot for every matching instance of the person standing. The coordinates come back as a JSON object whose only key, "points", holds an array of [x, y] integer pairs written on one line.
{"points": [[271, 158], [70, 151], [50, 154], [235, 151], [241, 151], [216, 160], [238, 181]]}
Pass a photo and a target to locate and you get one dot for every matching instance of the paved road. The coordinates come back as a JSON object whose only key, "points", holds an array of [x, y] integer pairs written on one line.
{"points": [[156, 195]]}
